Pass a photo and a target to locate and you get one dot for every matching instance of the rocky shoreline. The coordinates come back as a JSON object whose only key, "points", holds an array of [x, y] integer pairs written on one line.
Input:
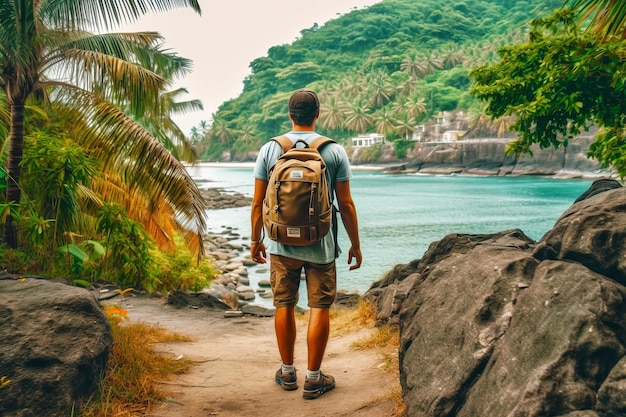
{"points": [[488, 157]]}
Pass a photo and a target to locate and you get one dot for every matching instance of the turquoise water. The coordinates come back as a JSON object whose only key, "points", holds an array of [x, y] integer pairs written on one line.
{"points": [[400, 216]]}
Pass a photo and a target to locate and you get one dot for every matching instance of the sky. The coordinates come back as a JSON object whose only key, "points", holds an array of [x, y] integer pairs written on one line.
{"points": [[228, 36]]}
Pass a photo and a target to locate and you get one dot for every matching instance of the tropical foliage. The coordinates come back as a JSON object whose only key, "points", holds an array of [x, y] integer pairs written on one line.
{"points": [[563, 80], [384, 68], [607, 17], [91, 151]]}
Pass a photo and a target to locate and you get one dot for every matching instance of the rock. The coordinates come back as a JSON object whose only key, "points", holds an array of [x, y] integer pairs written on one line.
{"points": [[265, 293], [229, 314], [54, 344], [247, 295], [245, 288], [222, 297], [488, 157], [591, 232], [390, 291], [598, 187], [498, 325], [265, 283], [257, 310], [218, 198], [347, 299]]}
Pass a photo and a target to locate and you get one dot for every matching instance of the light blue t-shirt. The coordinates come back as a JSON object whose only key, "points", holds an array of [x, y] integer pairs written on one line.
{"points": [[337, 170]]}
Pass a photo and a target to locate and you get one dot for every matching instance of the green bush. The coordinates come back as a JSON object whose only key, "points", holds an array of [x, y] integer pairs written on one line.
{"points": [[180, 270], [372, 153], [402, 146]]}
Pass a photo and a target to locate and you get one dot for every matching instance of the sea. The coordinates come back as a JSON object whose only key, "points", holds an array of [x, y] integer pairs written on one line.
{"points": [[401, 215]]}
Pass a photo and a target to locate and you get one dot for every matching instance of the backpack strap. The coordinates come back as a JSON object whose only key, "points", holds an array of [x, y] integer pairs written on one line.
{"points": [[317, 144], [320, 141], [284, 142]]}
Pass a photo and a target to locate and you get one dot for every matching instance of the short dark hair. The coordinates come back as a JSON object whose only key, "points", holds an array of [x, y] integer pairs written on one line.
{"points": [[303, 106]]}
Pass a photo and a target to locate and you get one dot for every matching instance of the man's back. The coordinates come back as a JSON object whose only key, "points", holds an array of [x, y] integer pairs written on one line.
{"points": [[337, 170]]}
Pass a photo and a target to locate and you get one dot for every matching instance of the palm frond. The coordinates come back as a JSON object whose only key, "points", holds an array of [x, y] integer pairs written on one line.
{"points": [[104, 14]]}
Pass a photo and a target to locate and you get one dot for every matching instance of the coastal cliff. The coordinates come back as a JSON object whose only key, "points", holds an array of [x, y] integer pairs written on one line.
{"points": [[488, 157]]}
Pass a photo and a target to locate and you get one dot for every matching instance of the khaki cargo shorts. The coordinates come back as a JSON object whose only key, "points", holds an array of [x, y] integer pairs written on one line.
{"points": [[321, 282]]}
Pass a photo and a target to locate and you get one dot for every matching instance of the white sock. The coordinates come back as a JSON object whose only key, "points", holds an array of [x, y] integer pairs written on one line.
{"points": [[313, 375], [288, 368]]}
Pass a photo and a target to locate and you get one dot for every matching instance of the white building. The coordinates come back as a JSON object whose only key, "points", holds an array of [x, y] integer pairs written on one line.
{"points": [[451, 135], [365, 141]]}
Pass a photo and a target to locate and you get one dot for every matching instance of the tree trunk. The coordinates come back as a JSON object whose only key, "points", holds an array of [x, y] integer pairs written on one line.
{"points": [[16, 136]]}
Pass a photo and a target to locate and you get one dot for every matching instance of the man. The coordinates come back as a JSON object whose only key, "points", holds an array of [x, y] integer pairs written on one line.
{"points": [[317, 260]]}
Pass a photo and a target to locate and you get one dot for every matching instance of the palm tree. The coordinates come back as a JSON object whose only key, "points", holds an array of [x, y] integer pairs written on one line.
{"points": [[451, 58], [429, 65], [203, 126], [608, 17], [408, 86], [247, 134], [333, 113], [352, 85], [161, 126], [47, 54], [411, 65], [384, 122], [220, 129], [415, 106], [405, 125], [381, 89], [358, 117]]}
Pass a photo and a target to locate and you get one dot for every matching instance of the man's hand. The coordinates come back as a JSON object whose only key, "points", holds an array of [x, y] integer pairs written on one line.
{"points": [[257, 252], [358, 257]]}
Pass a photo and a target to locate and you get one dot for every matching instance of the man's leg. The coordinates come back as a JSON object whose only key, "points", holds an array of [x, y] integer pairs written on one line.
{"points": [[285, 327], [317, 336], [285, 280], [321, 289]]}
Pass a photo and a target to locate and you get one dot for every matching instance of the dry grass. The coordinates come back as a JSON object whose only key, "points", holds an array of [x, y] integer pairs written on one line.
{"points": [[384, 339], [130, 387]]}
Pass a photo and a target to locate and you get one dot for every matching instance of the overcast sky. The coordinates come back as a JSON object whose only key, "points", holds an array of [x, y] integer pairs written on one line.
{"points": [[228, 36]]}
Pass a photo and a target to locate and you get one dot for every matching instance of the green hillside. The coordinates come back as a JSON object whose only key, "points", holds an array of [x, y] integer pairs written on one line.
{"points": [[385, 68]]}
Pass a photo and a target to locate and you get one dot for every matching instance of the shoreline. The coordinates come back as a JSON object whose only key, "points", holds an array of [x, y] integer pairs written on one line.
{"points": [[207, 164], [395, 169]]}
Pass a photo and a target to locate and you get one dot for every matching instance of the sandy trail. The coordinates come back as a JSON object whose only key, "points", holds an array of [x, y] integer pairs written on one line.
{"points": [[235, 361]]}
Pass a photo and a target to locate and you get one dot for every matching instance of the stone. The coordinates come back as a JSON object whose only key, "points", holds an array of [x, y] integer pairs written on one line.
{"points": [[592, 232], [259, 311], [247, 295], [346, 299], [55, 340], [229, 314], [500, 325]]}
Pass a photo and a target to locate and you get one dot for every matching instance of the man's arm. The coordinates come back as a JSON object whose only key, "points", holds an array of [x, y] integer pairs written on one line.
{"points": [[350, 221], [257, 248]]}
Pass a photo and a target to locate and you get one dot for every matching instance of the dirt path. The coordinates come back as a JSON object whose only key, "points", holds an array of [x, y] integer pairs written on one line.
{"points": [[235, 361]]}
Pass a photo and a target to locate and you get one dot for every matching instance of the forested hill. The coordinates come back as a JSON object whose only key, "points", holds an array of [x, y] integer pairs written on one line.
{"points": [[385, 68]]}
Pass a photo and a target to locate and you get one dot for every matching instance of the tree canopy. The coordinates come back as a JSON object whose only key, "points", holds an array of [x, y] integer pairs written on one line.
{"points": [[92, 156], [111, 90], [560, 82]]}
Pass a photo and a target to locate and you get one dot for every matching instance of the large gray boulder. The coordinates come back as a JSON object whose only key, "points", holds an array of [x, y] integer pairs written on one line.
{"points": [[54, 344], [501, 326], [593, 233]]}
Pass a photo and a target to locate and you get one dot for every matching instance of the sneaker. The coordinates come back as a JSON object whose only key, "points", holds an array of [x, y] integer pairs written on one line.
{"points": [[314, 389], [287, 380]]}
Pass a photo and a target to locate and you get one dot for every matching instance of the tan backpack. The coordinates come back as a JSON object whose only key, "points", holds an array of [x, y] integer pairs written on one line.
{"points": [[297, 209]]}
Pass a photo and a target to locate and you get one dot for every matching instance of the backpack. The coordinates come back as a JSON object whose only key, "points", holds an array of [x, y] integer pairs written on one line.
{"points": [[298, 208]]}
